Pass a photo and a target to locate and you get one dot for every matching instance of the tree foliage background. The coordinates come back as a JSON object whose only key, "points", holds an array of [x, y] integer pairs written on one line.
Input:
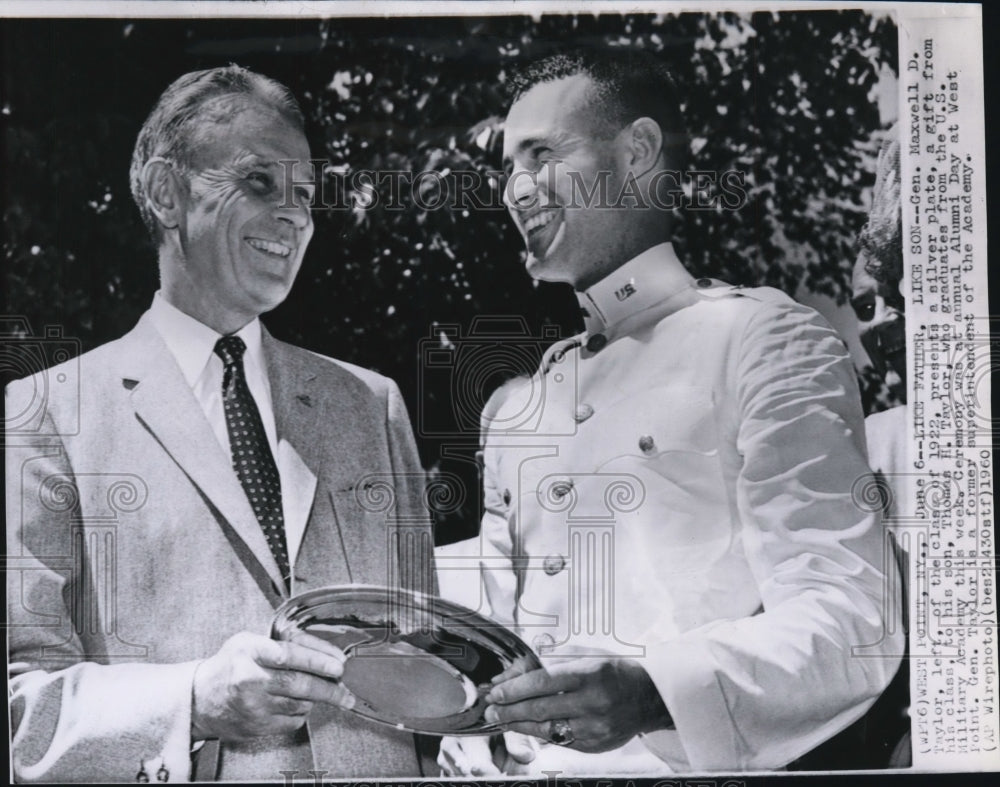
{"points": [[787, 99]]}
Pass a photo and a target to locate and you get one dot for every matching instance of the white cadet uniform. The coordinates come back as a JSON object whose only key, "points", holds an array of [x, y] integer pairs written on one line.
{"points": [[676, 485]]}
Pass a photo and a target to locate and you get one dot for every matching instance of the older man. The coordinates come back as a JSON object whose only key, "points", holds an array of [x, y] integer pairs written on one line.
{"points": [[214, 472], [669, 510]]}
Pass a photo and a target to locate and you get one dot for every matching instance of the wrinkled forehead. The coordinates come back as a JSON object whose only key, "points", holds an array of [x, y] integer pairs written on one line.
{"points": [[234, 127]]}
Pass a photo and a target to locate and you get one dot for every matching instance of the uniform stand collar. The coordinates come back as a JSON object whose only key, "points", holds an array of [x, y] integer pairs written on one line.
{"points": [[643, 282]]}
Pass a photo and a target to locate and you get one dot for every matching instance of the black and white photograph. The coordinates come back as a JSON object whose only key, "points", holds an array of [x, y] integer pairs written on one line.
{"points": [[469, 392]]}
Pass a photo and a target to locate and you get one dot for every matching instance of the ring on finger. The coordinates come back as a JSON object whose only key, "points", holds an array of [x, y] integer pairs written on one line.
{"points": [[560, 732]]}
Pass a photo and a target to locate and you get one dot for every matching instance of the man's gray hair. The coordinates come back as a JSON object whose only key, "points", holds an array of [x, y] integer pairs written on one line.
{"points": [[192, 102]]}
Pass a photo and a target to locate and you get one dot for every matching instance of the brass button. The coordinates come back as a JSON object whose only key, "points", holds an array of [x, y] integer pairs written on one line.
{"points": [[703, 283], [553, 564], [596, 342], [582, 413], [506, 497], [543, 642], [646, 444]]}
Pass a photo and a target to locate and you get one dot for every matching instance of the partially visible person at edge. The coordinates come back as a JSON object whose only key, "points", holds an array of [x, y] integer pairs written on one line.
{"points": [[730, 615], [878, 302], [147, 657]]}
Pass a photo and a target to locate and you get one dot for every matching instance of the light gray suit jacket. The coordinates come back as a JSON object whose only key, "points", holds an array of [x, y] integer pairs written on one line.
{"points": [[133, 553]]}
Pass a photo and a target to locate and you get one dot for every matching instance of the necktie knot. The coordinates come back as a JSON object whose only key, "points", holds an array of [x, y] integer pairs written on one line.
{"points": [[230, 349]]}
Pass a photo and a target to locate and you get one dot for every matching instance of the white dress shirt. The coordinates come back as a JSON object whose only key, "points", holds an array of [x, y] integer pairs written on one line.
{"points": [[193, 346]]}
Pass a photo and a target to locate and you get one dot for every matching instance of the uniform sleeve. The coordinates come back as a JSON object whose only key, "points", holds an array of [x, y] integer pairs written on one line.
{"points": [[74, 718], [757, 692]]}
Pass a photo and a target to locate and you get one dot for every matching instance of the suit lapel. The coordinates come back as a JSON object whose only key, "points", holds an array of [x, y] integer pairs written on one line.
{"points": [[296, 407], [167, 406], [306, 423], [323, 411], [299, 435]]}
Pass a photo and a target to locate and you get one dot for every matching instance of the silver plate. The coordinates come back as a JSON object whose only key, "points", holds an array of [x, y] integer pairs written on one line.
{"points": [[415, 662]]}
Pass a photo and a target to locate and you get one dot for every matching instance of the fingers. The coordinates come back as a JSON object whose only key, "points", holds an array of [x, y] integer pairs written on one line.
{"points": [[255, 686], [288, 706], [467, 757], [537, 683], [535, 729], [302, 655], [587, 734], [543, 709], [303, 686], [307, 668], [527, 703], [520, 748], [519, 666], [308, 640]]}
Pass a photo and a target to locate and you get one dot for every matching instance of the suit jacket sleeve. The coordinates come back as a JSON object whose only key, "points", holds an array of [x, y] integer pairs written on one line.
{"points": [[75, 717], [757, 692]]}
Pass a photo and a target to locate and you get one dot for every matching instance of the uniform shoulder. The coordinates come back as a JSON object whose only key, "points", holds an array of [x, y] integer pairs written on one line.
{"points": [[775, 304], [755, 301], [523, 385], [767, 317], [715, 290], [769, 295], [559, 350]]}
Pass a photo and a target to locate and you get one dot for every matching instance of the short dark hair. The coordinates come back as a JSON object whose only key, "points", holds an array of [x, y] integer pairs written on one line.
{"points": [[629, 84], [191, 102]]}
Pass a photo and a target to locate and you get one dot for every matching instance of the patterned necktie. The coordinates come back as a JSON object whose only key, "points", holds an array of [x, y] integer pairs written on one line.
{"points": [[252, 457]]}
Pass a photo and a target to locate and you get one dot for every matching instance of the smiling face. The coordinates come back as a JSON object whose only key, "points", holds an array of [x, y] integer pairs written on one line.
{"points": [[880, 308], [243, 227], [558, 154]]}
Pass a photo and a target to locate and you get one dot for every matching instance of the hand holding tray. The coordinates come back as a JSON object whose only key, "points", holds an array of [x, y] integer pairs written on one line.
{"points": [[414, 661]]}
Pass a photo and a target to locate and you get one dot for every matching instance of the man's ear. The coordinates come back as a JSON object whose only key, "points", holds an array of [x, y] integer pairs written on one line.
{"points": [[164, 191], [645, 144]]}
